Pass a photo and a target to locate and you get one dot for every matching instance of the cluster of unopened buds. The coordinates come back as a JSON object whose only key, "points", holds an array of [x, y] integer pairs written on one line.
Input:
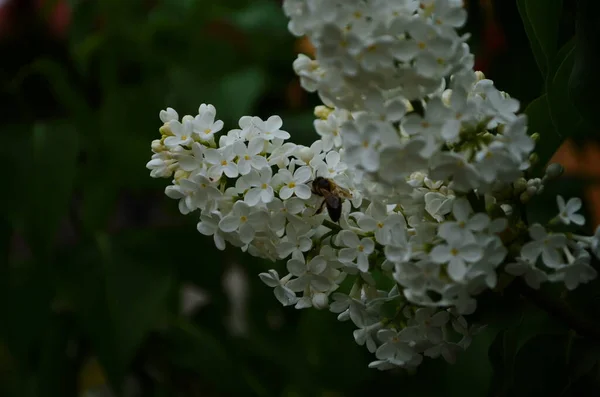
{"points": [[410, 204]]}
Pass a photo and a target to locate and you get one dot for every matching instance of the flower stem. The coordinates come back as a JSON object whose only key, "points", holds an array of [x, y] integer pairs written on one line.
{"points": [[332, 225], [560, 310]]}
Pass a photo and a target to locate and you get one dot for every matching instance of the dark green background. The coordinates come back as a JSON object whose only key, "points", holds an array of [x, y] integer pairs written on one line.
{"points": [[93, 256]]}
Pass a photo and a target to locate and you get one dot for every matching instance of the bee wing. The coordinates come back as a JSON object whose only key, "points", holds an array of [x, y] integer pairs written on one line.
{"points": [[344, 193], [333, 201]]}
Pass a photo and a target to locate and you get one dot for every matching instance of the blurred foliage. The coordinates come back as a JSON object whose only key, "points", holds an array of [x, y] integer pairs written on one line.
{"points": [[95, 258]]}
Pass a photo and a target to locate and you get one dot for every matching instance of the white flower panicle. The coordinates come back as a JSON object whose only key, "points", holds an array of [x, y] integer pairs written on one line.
{"points": [[432, 160]]}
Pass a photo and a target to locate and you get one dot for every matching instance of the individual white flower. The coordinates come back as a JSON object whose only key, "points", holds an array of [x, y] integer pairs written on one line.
{"points": [[168, 115], [283, 294], [332, 166], [484, 270], [308, 274], [182, 133], [361, 139], [221, 162], [242, 219], [465, 224], [249, 156], [283, 211], [280, 156], [544, 244], [501, 107], [162, 165], [396, 345], [397, 249], [495, 163], [577, 272], [367, 328], [329, 130], [515, 138], [377, 219], [312, 155], [457, 254], [450, 165], [192, 161], [297, 240], [204, 124], [270, 129], [294, 183], [448, 350], [209, 226], [397, 161], [357, 251], [417, 278], [438, 204], [595, 243], [447, 13], [522, 267], [567, 213], [260, 190], [431, 323]]}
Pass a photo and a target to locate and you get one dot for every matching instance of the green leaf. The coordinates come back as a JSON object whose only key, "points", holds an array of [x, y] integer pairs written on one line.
{"points": [[541, 21], [118, 301], [25, 297], [502, 353], [54, 149], [265, 16], [538, 117], [56, 375], [136, 296], [584, 82], [564, 114], [539, 368], [239, 92], [196, 349]]}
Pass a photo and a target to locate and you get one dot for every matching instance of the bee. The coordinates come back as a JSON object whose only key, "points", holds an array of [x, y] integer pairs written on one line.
{"points": [[332, 196]]}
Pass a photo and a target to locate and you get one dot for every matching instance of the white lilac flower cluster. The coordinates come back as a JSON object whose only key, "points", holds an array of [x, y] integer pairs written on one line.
{"points": [[433, 157]]}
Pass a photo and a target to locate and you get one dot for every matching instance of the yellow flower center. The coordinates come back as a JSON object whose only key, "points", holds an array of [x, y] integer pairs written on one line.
{"points": [[207, 131], [292, 185], [243, 219], [454, 252], [422, 45], [224, 162], [264, 186], [361, 248]]}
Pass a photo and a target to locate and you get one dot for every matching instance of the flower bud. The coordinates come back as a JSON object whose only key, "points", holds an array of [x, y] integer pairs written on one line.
{"points": [[520, 185], [532, 190], [320, 301], [157, 146], [322, 112], [479, 75], [534, 158], [554, 170], [524, 197], [446, 97], [536, 137], [180, 174], [507, 209], [165, 130], [495, 211]]}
